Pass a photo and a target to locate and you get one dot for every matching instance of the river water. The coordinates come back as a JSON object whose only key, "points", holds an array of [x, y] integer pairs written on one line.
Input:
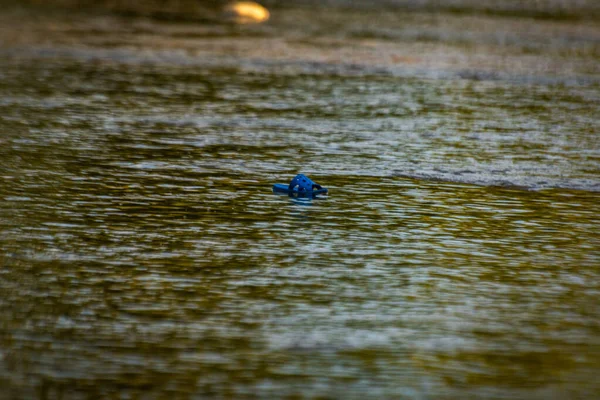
{"points": [[143, 254]]}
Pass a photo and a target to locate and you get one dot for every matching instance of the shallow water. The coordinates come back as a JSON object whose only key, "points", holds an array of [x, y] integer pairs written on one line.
{"points": [[143, 254]]}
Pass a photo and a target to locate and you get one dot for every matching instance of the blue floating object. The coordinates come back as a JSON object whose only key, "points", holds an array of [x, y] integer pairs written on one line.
{"points": [[301, 185]]}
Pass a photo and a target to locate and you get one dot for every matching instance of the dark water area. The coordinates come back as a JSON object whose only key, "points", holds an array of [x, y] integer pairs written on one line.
{"points": [[143, 254]]}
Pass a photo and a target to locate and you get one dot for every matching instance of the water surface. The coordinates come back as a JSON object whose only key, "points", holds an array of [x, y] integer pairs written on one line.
{"points": [[142, 253]]}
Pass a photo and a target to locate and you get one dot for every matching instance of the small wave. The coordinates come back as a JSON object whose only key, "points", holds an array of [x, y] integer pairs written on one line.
{"points": [[517, 182]]}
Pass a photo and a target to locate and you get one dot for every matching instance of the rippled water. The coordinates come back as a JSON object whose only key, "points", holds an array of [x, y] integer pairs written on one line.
{"points": [[143, 253]]}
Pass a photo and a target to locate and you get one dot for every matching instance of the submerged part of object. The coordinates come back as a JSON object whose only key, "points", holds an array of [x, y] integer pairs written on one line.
{"points": [[301, 185]]}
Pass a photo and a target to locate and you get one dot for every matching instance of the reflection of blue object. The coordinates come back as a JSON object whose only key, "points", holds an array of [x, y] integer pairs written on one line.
{"points": [[301, 185]]}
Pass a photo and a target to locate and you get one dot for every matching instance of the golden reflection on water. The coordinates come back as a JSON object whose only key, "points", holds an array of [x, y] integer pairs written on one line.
{"points": [[246, 12]]}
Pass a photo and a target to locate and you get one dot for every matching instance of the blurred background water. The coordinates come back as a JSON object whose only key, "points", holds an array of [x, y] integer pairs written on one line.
{"points": [[143, 255]]}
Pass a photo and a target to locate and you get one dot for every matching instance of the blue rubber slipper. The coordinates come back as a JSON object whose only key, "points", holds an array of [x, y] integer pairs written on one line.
{"points": [[301, 185]]}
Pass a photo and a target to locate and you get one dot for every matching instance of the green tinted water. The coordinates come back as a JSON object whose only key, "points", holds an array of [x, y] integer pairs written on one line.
{"points": [[143, 255]]}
